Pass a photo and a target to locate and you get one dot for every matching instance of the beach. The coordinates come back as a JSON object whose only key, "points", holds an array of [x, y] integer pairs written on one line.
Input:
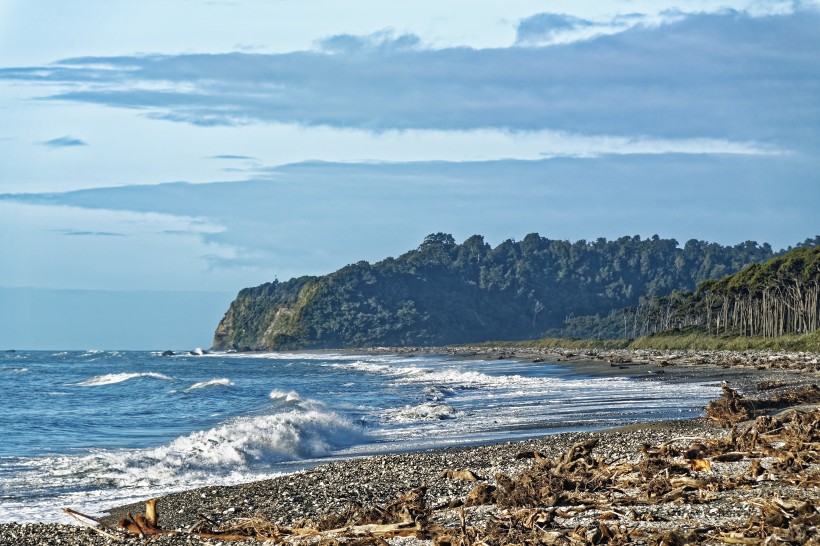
{"points": [[700, 504]]}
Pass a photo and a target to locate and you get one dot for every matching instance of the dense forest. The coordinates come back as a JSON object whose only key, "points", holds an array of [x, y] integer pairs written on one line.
{"points": [[444, 292], [768, 299]]}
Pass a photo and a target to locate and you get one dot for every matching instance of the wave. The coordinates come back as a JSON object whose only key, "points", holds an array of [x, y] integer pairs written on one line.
{"points": [[95, 355], [282, 356], [436, 393], [261, 440], [238, 450], [426, 411], [362, 366], [222, 382], [112, 378], [419, 373], [441, 381], [240, 445], [285, 396]]}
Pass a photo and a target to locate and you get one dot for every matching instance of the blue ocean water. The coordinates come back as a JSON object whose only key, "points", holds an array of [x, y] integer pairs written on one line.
{"points": [[95, 429]]}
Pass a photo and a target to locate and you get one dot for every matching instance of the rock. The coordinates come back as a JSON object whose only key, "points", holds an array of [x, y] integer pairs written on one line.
{"points": [[198, 352], [168, 353]]}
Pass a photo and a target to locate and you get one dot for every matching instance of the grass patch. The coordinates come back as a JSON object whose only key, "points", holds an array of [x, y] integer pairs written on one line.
{"points": [[677, 341], [700, 341], [562, 343]]}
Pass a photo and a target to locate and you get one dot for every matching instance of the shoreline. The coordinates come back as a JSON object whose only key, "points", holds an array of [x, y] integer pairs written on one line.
{"points": [[615, 358], [287, 499]]}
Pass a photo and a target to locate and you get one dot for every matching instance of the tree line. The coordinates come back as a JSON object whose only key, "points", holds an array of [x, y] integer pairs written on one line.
{"points": [[445, 292], [770, 299]]}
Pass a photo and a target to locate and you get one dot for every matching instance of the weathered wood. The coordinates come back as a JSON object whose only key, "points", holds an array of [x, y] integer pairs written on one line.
{"points": [[151, 512], [100, 526]]}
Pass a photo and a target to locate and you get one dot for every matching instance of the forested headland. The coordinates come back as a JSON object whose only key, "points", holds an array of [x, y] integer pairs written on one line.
{"points": [[772, 299], [446, 293]]}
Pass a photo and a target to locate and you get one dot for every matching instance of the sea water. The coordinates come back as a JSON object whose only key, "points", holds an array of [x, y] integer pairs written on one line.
{"points": [[93, 429]]}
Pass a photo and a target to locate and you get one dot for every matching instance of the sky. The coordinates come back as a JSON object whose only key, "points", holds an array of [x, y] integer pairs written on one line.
{"points": [[158, 156]]}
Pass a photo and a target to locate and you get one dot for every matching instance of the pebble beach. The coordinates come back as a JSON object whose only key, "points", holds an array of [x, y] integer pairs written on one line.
{"points": [[706, 509]]}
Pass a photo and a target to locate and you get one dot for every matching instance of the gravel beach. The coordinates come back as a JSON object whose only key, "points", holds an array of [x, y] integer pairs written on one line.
{"points": [[718, 499]]}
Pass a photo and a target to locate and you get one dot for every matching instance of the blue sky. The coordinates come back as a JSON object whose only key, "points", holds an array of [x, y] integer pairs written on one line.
{"points": [[160, 155]]}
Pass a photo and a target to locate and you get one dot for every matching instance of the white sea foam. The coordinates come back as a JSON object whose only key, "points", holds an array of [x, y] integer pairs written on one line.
{"points": [[436, 393], [284, 396], [237, 450], [282, 356], [426, 411], [451, 376], [112, 378], [250, 441], [222, 382], [362, 366]]}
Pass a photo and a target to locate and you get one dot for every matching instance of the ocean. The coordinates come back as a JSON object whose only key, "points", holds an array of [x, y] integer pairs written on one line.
{"points": [[95, 429]]}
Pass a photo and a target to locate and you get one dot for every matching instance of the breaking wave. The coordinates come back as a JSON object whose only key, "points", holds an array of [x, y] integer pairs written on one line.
{"points": [[426, 411], [223, 382], [285, 396], [237, 450], [112, 378]]}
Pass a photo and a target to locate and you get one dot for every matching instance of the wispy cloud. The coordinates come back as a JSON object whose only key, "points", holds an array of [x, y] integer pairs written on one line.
{"points": [[72, 233], [231, 156], [64, 142], [383, 42], [544, 27], [317, 216]]}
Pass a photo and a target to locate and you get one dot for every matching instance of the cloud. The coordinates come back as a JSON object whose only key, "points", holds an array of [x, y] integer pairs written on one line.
{"points": [[72, 233], [231, 156], [545, 29], [727, 76], [311, 218], [544, 26], [64, 142], [379, 42]]}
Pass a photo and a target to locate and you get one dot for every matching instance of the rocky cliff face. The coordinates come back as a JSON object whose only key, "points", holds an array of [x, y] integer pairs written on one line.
{"points": [[260, 316]]}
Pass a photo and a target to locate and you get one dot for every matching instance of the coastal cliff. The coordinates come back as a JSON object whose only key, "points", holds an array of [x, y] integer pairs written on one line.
{"points": [[444, 293], [259, 317]]}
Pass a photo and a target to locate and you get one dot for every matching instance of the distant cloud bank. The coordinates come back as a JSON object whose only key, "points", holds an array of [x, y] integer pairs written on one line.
{"points": [[726, 76]]}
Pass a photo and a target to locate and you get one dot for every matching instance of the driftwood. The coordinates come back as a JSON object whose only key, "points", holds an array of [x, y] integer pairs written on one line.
{"points": [[732, 408], [100, 528], [409, 508], [463, 475]]}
